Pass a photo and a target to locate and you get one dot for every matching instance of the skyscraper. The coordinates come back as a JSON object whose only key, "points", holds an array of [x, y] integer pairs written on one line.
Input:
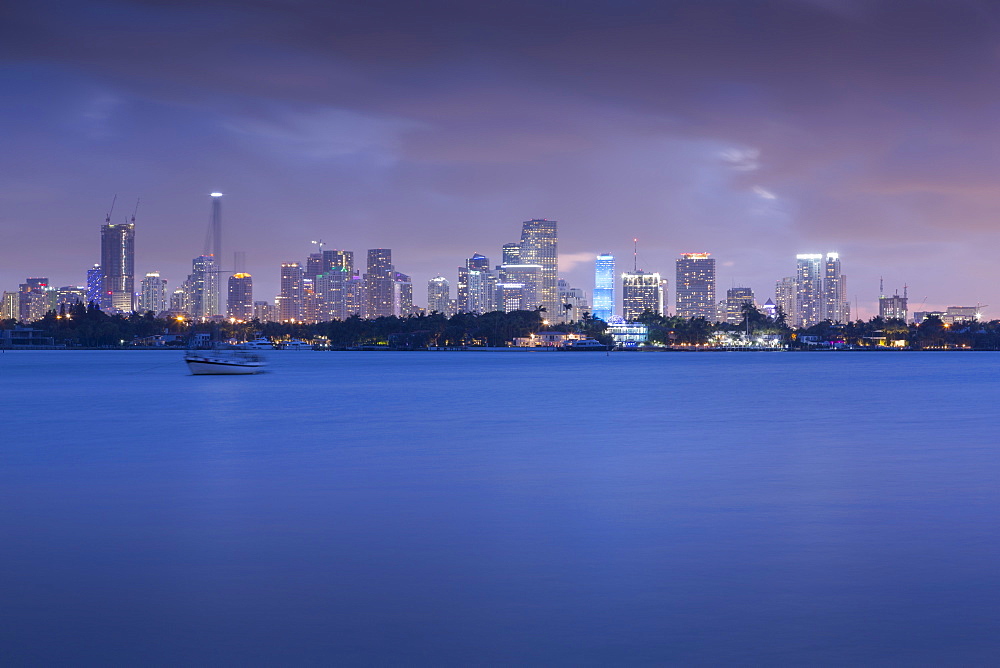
{"points": [[438, 295], [696, 286], [604, 286], [379, 283], [474, 272], [572, 301], [530, 277], [153, 293], [199, 288], [784, 297], [240, 303], [402, 295], [736, 298], [836, 307], [540, 245], [894, 307], [291, 300], [118, 266], [10, 308], [332, 284], [641, 292], [33, 299], [95, 284], [214, 296], [808, 289]]}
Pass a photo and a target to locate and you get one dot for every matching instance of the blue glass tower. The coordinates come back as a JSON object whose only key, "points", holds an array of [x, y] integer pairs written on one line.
{"points": [[604, 287]]}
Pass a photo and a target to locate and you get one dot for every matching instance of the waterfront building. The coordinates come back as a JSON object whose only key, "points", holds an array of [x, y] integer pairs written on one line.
{"points": [[820, 290], [240, 303], [736, 298], [118, 267], [153, 293], [784, 298], [696, 286], [438, 295], [289, 303], [379, 282], [540, 245], [627, 334], [10, 307], [641, 291], [954, 315], [604, 286], [95, 284]]}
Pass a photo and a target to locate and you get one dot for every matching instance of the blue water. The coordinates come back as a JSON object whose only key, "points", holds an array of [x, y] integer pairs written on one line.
{"points": [[501, 508]]}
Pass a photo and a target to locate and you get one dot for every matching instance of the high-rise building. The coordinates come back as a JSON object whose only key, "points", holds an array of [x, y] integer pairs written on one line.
{"points": [[355, 295], [199, 288], [511, 253], [402, 295], [95, 284], [510, 297], [604, 286], [572, 302], [530, 277], [894, 307], [240, 303], [118, 266], [438, 295], [480, 298], [290, 302], [213, 304], [820, 290], [153, 293], [540, 245], [784, 297], [379, 283], [10, 307], [641, 292], [262, 311], [696, 286], [836, 307], [33, 299], [736, 298], [331, 284]]}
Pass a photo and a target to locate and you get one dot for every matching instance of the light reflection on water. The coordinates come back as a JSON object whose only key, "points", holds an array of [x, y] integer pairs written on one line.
{"points": [[455, 508]]}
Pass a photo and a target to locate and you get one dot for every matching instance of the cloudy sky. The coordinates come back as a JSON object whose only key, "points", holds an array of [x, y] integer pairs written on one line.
{"points": [[751, 129]]}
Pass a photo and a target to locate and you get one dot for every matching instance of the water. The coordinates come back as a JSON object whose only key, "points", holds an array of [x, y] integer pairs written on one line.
{"points": [[484, 508]]}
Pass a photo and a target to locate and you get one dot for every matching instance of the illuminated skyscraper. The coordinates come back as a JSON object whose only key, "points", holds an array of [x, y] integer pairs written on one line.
{"points": [[696, 286], [808, 289], [332, 284], [118, 266], [735, 300], [10, 308], [95, 284], [379, 283], [894, 307], [438, 295], [199, 288], [291, 300], [214, 297], [240, 303], [540, 245], [530, 278], [153, 293], [262, 311], [641, 292], [836, 307], [402, 295], [33, 299], [784, 297], [604, 287]]}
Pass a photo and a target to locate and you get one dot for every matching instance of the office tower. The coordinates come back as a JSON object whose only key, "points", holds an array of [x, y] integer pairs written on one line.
{"points": [[262, 311], [199, 288], [836, 307], [178, 300], [509, 297], [290, 302], [641, 292], [530, 277], [240, 304], [696, 286], [10, 308], [604, 286], [511, 254], [355, 295], [894, 307], [335, 269], [153, 293], [378, 280], [402, 295], [480, 265], [95, 284], [310, 301], [214, 297], [572, 302], [736, 298], [314, 265], [118, 266], [70, 295], [540, 245], [438, 295], [784, 297], [33, 299]]}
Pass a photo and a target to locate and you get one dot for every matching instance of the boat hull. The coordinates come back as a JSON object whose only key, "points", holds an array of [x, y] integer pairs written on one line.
{"points": [[213, 365]]}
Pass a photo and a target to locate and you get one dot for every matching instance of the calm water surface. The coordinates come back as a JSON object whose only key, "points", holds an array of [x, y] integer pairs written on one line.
{"points": [[484, 508]]}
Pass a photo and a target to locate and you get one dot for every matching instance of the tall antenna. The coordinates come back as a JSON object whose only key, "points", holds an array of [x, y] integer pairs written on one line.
{"points": [[635, 255], [905, 286], [881, 288], [107, 218], [319, 244]]}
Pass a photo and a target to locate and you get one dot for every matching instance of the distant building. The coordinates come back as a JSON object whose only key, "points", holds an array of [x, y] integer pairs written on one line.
{"points": [[70, 295], [892, 308], [118, 267], [529, 277], [153, 293], [540, 245], [784, 297], [836, 307], [510, 297], [379, 283], [438, 295], [290, 302], [627, 334], [262, 311], [820, 290], [695, 286], [736, 298], [604, 286], [95, 284], [240, 303], [200, 299], [10, 307], [572, 301], [641, 292], [33, 299], [954, 315], [476, 286], [402, 295], [769, 309]]}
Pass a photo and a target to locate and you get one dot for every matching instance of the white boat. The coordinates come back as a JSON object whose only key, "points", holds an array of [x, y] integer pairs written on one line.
{"points": [[585, 344], [223, 362], [296, 344], [260, 343]]}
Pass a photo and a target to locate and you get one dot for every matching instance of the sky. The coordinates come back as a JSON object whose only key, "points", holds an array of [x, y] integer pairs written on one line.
{"points": [[754, 130]]}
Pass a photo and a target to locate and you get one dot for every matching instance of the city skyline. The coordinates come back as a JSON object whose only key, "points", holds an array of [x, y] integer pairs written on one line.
{"points": [[685, 125]]}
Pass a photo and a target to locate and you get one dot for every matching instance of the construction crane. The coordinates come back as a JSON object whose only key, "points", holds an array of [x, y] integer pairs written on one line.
{"points": [[107, 218], [319, 244], [136, 210]]}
